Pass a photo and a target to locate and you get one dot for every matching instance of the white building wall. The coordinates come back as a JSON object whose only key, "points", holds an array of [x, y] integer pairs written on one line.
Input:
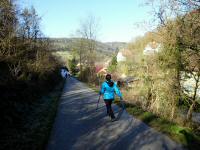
{"points": [[120, 57]]}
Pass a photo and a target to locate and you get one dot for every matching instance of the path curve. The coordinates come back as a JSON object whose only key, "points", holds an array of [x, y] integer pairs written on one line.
{"points": [[78, 126]]}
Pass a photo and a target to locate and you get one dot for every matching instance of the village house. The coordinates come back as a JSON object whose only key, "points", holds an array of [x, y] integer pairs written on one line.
{"points": [[151, 48], [123, 54], [101, 68], [120, 57]]}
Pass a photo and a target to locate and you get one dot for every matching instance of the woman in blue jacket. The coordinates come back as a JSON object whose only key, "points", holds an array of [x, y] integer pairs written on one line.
{"points": [[108, 89]]}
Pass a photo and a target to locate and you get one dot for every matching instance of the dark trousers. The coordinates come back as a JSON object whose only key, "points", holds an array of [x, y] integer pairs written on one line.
{"points": [[109, 108]]}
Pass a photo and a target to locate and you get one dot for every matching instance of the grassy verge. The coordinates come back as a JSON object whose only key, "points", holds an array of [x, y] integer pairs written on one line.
{"points": [[184, 135], [35, 131], [93, 87]]}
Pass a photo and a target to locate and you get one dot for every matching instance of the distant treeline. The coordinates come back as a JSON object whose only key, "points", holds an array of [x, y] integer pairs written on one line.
{"points": [[68, 44]]}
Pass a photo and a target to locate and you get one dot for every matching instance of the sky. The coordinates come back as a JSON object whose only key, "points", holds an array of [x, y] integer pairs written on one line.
{"points": [[117, 19]]}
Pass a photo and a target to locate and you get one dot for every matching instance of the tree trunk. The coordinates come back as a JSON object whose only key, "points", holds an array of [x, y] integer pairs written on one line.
{"points": [[190, 111], [173, 112]]}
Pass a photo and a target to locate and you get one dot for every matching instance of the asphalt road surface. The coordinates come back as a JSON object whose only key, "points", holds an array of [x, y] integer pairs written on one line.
{"points": [[79, 126]]}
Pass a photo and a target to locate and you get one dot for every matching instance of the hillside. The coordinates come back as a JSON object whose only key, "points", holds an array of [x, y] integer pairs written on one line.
{"points": [[60, 44], [62, 48]]}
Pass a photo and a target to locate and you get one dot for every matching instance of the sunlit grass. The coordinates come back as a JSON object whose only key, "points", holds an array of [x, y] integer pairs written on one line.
{"points": [[183, 135], [63, 55]]}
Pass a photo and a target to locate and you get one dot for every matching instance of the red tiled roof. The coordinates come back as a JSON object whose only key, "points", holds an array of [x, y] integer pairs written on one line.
{"points": [[98, 68]]}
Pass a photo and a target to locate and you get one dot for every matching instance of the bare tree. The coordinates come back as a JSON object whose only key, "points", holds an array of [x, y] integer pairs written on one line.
{"points": [[87, 33], [29, 24], [88, 30], [8, 21]]}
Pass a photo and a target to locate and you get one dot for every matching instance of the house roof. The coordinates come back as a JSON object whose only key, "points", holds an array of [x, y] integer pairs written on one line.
{"points": [[102, 71], [126, 52], [98, 68], [151, 48]]}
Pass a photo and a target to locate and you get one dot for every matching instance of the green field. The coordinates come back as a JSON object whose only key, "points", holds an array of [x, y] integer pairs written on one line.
{"points": [[64, 56]]}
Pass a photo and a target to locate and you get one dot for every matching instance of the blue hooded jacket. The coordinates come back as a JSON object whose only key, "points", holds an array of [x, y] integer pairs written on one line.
{"points": [[109, 92]]}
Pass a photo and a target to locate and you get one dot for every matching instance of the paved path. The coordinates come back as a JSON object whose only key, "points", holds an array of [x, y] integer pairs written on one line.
{"points": [[78, 126]]}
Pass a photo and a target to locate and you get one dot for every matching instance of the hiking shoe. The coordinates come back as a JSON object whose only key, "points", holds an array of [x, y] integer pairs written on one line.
{"points": [[113, 119]]}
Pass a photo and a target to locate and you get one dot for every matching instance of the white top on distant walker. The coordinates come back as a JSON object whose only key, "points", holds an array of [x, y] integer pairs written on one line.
{"points": [[63, 73], [68, 74]]}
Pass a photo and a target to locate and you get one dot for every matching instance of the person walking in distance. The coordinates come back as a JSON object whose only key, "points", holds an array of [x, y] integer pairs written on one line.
{"points": [[63, 72], [108, 90]]}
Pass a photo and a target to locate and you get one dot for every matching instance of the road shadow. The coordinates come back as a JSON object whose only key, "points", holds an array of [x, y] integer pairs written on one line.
{"points": [[79, 125]]}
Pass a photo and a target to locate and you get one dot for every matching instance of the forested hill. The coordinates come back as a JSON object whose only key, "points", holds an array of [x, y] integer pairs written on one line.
{"points": [[61, 44]]}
